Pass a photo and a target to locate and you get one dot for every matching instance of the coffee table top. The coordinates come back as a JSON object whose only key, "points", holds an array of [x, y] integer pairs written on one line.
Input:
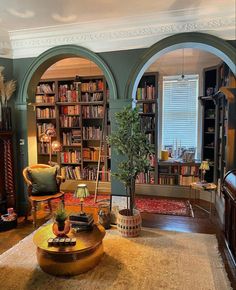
{"points": [[84, 240]]}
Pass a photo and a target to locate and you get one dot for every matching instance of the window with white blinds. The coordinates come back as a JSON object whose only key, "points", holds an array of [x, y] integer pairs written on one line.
{"points": [[179, 118]]}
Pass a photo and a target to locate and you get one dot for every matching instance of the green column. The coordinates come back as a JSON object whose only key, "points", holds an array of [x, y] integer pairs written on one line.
{"points": [[117, 188]]}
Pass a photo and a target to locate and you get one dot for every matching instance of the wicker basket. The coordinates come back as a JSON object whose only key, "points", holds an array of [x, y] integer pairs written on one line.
{"points": [[129, 226]]}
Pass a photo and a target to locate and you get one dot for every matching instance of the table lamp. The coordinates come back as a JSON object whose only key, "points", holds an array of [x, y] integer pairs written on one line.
{"points": [[81, 192], [203, 167]]}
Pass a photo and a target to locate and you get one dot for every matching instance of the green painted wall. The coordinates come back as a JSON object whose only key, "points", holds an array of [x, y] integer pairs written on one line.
{"points": [[121, 63]]}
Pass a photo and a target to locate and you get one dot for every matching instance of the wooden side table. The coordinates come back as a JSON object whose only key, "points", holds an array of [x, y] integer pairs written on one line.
{"points": [[69, 260], [210, 187]]}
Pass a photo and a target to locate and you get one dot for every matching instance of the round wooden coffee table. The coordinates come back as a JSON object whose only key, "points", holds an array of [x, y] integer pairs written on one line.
{"points": [[69, 260]]}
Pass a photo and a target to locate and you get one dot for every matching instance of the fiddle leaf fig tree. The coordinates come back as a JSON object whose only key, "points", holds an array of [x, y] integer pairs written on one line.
{"points": [[130, 142]]}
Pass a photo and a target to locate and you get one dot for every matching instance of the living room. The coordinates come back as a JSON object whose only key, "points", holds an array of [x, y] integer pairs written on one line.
{"points": [[202, 64]]}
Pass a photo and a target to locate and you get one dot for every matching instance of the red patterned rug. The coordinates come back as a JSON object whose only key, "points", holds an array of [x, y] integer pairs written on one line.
{"points": [[144, 204], [164, 206]]}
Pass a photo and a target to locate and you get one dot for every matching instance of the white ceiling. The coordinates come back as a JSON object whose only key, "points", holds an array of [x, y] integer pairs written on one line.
{"points": [[29, 27]]}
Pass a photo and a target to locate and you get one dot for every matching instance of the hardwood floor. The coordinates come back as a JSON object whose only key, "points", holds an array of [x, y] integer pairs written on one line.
{"points": [[201, 223]]}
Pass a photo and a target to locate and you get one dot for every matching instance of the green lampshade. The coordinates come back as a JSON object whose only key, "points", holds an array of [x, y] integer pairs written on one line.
{"points": [[81, 191]]}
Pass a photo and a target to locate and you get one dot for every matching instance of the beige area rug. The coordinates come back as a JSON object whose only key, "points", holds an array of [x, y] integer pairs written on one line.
{"points": [[155, 260]]}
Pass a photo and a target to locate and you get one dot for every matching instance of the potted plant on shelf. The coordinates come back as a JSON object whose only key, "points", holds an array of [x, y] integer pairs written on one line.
{"points": [[61, 226], [131, 143]]}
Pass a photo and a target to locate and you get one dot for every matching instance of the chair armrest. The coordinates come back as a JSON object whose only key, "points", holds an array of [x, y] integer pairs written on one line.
{"points": [[60, 178]]}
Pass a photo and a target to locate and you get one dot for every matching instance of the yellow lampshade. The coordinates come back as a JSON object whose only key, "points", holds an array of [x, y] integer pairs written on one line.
{"points": [[204, 165], [81, 191]]}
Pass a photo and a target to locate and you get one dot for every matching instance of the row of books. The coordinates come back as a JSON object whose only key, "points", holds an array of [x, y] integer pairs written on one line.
{"points": [[70, 110], [72, 156], [45, 88], [70, 172], [90, 173], [187, 180], [69, 121], [45, 113], [146, 93], [45, 99], [148, 123], [92, 133], [146, 177], [92, 112], [168, 180], [68, 93], [91, 153], [92, 98], [146, 108], [72, 138], [92, 86], [42, 127], [190, 170]]}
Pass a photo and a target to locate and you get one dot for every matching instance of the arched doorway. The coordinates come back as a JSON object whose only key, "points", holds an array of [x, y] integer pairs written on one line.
{"points": [[206, 42], [27, 95]]}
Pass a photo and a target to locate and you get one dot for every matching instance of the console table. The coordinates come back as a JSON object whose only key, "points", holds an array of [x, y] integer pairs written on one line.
{"points": [[69, 260], [210, 187]]}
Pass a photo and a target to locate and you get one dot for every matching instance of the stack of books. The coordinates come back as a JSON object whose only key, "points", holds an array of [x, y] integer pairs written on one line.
{"points": [[81, 222]]}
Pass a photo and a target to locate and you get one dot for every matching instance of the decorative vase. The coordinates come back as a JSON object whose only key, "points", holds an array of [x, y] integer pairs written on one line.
{"points": [[61, 228], [104, 215], [127, 225]]}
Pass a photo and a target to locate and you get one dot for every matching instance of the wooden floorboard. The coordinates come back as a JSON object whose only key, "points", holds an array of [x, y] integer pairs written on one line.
{"points": [[200, 223]]}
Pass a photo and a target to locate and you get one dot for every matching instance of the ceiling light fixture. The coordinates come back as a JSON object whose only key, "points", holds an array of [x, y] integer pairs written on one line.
{"points": [[182, 76]]}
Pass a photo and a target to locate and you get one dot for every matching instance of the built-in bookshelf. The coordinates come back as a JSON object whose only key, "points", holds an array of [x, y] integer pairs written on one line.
{"points": [[77, 111], [147, 104], [177, 173], [45, 107], [218, 101]]}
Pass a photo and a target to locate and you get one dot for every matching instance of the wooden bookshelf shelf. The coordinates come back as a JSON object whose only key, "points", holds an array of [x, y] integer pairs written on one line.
{"points": [[74, 109]]}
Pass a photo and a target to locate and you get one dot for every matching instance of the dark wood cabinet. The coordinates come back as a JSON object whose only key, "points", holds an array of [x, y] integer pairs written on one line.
{"points": [[229, 192], [7, 185]]}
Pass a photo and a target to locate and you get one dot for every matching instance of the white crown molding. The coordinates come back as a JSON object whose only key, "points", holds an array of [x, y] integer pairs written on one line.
{"points": [[121, 34]]}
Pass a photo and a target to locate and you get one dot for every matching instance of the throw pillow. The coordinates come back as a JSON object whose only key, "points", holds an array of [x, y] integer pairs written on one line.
{"points": [[43, 180]]}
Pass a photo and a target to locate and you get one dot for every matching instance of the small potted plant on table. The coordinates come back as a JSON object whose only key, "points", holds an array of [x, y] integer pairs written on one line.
{"points": [[61, 226], [130, 142]]}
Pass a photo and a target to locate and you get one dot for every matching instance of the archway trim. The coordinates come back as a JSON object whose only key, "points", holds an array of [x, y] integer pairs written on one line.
{"points": [[207, 42], [46, 59]]}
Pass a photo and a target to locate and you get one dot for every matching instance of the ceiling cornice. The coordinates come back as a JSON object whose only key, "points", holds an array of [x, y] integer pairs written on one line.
{"points": [[120, 34]]}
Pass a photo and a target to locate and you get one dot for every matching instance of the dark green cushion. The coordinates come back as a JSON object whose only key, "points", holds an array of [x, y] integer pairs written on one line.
{"points": [[43, 180]]}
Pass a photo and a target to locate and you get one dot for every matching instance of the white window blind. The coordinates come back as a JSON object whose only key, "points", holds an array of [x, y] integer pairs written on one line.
{"points": [[180, 111]]}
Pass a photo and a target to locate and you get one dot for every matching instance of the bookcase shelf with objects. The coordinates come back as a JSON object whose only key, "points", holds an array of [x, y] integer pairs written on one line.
{"points": [[177, 173], [218, 81], [147, 104], [94, 118], [76, 111], [45, 99]]}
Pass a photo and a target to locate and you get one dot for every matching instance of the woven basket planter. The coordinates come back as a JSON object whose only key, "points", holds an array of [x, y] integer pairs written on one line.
{"points": [[129, 226]]}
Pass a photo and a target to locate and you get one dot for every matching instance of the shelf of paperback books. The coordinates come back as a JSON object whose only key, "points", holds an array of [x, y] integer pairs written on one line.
{"points": [[76, 110]]}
